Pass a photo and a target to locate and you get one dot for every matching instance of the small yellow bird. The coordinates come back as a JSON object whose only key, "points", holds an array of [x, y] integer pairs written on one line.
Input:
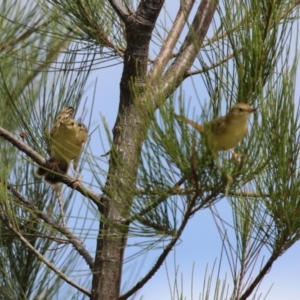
{"points": [[225, 132], [67, 138]]}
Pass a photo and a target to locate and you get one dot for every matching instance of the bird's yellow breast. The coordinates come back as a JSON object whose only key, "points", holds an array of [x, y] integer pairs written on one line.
{"points": [[229, 139], [228, 135], [65, 143]]}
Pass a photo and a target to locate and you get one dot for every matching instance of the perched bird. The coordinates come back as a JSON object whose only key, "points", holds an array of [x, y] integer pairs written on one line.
{"points": [[67, 138], [225, 132]]}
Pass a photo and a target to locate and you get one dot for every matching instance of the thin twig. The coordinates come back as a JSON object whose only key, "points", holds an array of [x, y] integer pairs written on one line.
{"points": [[217, 64], [60, 204]]}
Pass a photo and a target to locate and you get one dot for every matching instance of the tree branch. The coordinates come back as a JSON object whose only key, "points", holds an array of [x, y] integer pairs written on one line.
{"points": [[217, 64], [27, 244], [190, 47], [259, 277], [166, 52], [63, 230], [164, 254], [40, 160], [120, 10]]}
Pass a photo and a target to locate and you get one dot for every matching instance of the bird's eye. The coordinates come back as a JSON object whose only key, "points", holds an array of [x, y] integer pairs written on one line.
{"points": [[240, 109]]}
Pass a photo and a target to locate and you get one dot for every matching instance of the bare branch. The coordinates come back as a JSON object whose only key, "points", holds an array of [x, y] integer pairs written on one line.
{"points": [[217, 64], [190, 47], [120, 10], [166, 51]]}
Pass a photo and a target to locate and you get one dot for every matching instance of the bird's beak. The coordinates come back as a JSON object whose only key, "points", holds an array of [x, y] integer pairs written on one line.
{"points": [[251, 110]]}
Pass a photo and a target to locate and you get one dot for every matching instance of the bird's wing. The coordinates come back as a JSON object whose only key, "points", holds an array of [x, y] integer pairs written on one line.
{"points": [[54, 129], [217, 125], [82, 136], [83, 133]]}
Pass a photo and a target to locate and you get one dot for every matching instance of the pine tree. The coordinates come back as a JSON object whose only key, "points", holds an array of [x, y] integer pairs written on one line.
{"points": [[158, 172]]}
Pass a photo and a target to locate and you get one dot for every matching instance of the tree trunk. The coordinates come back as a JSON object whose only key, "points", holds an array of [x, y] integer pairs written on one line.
{"points": [[129, 132]]}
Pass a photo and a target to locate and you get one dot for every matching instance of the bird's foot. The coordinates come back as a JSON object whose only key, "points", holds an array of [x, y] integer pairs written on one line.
{"points": [[236, 156], [77, 181], [55, 165]]}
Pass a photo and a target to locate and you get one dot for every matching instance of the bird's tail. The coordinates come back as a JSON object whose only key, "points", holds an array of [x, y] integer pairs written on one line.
{"points": [[41, 172], [52, 176], [197, 126]]}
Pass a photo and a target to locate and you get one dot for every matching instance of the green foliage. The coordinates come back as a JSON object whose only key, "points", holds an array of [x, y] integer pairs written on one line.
{"points": [[47, 54]]}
